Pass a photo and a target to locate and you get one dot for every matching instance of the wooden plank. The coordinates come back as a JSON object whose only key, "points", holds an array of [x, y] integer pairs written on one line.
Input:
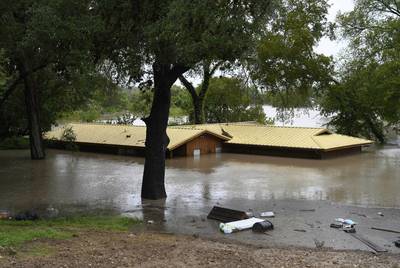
{"points": [[367, 242], [226, 215], [386, 230]]}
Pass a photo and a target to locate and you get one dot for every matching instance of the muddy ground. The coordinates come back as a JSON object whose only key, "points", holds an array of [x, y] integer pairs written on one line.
{"points": [[119, 249]]}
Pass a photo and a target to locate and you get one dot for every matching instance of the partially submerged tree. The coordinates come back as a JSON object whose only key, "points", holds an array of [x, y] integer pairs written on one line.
{"points": [[38, 39], [172, 37], [366, 99]]}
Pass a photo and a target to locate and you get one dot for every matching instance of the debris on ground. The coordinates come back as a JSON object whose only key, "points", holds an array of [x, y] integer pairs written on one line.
{"points": [[380, 214], [150, 221], [346, 221], [267, 214], [250, 214], [346, 225], [5, 215], [367, 242], [349, 228], [359, 214], [308, 210], [397, 243], [318, 244], [51, 212], [300, 230], [336, 225], [27, 216], [386, 230], [226, 215], [240, 225], [262, 227]]}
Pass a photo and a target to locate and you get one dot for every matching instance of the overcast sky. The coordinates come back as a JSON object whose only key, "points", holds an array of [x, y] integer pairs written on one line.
{"points": [[326, 46]]}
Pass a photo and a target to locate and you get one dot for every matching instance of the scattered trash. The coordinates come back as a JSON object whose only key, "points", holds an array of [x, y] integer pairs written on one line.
{"points": [[397, 243], [267, 214], [261, 227], [27, 216], [359, 214], [150, 222], [368, 243], [300, 230], [226, 215], [51, 212], [349, 228], [240, 225], [380, 214], [5, 215], [346, 221], [225, 228], [249, 214], [346, 225], [307, 210], [336, 225], [318, 244], [385, 230]]}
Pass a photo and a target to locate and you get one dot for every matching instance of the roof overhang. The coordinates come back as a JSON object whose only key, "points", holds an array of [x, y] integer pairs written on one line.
{"points": [[222, 137]]}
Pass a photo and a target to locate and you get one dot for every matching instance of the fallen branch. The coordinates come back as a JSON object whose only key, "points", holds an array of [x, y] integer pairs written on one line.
{"points": [[385, 230]]}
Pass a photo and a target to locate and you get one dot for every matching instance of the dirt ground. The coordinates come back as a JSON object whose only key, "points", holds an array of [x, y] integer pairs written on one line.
{"points": [[114, 249]]}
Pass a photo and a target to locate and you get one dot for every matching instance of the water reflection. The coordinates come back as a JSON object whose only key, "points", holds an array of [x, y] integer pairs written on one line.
{"points": [[95, 181]]}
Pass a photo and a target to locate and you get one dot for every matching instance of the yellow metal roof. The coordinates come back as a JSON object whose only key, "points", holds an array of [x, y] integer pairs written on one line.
{"points": [[126, 135], [290, 137], [234, 133]]}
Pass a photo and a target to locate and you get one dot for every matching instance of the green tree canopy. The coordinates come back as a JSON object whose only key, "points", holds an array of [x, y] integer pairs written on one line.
{"points": [[230, 100], [46, 44], [286, 65], [366, 99]]}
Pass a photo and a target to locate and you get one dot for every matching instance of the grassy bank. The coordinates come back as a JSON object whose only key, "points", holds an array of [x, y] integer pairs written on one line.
{"points": [[15, 233], [12, 143]]}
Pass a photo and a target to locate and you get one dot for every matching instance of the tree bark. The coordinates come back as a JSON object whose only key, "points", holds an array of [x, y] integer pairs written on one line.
{"points": [[198, 111], [156, 135], [33, 115], [198, 99]]}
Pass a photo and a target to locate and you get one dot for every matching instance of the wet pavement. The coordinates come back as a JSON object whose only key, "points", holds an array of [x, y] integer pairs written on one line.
{"points": [[356, 187]]}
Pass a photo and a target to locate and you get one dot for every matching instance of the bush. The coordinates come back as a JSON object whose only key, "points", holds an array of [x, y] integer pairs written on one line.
{"points": [[14, 143], [69, 137]]}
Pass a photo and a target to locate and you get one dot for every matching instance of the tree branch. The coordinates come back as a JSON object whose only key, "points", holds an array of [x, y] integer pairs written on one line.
{"points": [[178, 70], [13, 85], [389, 8], [10, 89], [215, 67], [188, 86]]}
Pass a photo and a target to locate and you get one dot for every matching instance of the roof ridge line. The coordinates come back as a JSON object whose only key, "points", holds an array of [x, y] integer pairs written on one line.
{"points": [[101, 124]]}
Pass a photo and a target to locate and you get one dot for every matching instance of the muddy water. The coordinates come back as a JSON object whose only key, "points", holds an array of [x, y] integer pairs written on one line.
{"points": [[88, 180]]}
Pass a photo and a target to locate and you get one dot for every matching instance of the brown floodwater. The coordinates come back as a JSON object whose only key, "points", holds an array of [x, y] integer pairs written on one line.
{"points": [[99, 181]]}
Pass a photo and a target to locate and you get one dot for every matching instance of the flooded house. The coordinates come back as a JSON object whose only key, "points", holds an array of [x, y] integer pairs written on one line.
{"points": [[195, 140]]}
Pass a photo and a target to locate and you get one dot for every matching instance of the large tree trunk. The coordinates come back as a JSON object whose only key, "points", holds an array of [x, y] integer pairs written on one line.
{"points": [[198, 105], [156, 135], [32, 109]]}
